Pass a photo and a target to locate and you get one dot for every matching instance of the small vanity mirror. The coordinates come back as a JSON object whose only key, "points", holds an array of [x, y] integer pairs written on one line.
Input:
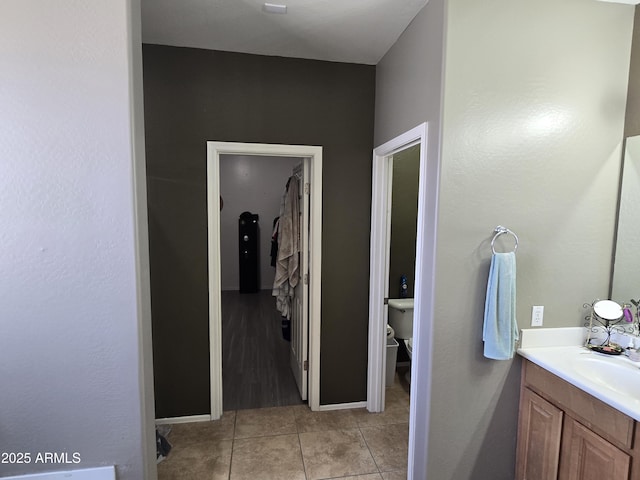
{"points": [[608, 310], [604, 319]]}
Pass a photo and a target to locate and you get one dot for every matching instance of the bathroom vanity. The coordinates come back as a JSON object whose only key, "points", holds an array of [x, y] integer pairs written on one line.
{"points": [[574, 424], [565, 433]]}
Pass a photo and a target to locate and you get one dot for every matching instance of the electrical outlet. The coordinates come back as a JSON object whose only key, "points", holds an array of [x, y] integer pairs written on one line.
{"points": [[537, 313]]}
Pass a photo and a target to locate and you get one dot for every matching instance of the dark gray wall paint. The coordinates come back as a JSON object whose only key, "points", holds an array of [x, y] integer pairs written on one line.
{"points": [[404, 219], [192, 96]]}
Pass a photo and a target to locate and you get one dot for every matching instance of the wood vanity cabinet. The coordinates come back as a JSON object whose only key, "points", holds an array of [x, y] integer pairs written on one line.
{"points": [[566, 434]]}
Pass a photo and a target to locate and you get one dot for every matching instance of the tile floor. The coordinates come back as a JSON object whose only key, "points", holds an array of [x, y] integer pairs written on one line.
{"points": [[294, 443]]}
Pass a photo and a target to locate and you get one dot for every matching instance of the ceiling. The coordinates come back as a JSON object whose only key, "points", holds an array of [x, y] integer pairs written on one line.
{"points": [[353, 31]]}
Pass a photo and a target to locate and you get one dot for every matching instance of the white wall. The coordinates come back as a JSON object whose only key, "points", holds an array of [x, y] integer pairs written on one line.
{"points": [[254, 184], [74, 286]]}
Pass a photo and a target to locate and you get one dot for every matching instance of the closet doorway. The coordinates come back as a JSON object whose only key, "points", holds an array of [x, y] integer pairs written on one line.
{"points": [[305, 307]]}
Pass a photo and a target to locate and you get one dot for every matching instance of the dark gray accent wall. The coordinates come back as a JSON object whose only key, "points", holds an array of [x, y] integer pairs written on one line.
{"points": [[192, 96], [404, 220]]}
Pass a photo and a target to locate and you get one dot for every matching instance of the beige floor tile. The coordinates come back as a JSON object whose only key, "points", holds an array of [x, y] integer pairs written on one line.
{"points": [[265, 421], [207, 460], [308, 421], [335, 453], [267, 458], [388, 445], [370, 476], [395, 412], [397, 396], [399, 475], [197, 432], [400, 379]]}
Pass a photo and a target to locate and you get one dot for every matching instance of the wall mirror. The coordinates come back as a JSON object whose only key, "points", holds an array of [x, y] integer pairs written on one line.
{"points": [[625, 281]]}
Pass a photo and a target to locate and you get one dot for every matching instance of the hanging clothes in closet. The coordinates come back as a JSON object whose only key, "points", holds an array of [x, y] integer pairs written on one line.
{"points": [[287, 273]]}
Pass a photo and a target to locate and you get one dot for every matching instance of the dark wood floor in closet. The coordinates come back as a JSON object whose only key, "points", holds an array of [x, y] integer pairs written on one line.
{"points": [[255, 357]]}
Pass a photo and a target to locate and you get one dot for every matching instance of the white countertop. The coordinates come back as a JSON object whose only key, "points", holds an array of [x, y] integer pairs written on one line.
{"points": [[563, 359]]}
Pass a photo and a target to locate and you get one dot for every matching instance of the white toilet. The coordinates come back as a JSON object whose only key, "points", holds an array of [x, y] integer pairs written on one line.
{"points": [[401, 320]]}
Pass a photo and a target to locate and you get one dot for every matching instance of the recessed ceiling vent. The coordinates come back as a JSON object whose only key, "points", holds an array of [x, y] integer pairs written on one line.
{"points": [[274, 8]]}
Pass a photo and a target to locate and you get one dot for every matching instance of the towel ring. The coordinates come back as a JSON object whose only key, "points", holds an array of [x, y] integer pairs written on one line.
{"points": [[499, 230]]}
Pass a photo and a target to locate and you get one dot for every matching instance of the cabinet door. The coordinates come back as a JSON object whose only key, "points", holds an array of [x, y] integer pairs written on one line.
{"points": [[539, 432], [587, 456]]}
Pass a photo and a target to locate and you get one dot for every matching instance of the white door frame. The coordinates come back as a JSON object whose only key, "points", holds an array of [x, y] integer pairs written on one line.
{"points": [[424, 290], [214, 150]]}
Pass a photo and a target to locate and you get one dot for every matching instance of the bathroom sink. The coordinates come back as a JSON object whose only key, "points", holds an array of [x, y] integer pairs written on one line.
{"points": [[613, 379], [617, 374]]}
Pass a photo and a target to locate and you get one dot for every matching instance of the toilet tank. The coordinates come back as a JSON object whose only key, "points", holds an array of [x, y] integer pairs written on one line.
{"points": [[401, 316]]}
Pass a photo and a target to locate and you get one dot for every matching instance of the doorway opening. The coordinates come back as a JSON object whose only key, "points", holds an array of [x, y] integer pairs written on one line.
{"points": [[305, 307], [257, 371], [424, 288], [402, 219]]}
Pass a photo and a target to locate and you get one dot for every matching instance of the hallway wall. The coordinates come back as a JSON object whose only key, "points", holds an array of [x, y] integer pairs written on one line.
{"points": [[192, 96], [74, 297]]}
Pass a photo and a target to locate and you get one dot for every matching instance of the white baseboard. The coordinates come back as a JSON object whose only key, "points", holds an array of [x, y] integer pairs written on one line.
{"points": [[101, 473], [207, 418], [342, 406], [188, 419]]}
